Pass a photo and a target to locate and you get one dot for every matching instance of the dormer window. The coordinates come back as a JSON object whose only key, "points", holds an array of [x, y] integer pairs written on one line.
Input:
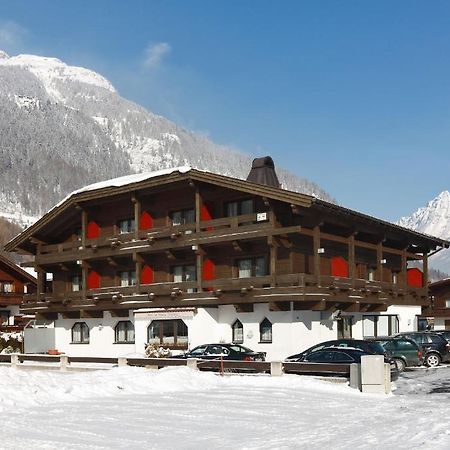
{"points": [[126, 226], [183, 217]]}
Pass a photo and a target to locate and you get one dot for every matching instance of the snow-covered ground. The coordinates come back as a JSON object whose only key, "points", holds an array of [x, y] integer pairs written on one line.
{"points": [[177, 408]]}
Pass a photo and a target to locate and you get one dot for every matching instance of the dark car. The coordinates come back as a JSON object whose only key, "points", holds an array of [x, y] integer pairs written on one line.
{"points": [[341, 355], [404, 351], [444, 333], [435, 347], [370, 347], [233, 352]]}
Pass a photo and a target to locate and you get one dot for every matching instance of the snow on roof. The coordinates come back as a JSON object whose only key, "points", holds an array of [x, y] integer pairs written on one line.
{"points": [[123, 181]]}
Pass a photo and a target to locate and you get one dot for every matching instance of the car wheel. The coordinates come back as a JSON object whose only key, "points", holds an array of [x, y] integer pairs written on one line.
{"points": [[432, 360], [401, 365]]}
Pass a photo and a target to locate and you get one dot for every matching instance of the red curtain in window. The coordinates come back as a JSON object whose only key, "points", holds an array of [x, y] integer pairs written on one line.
{"points": [[93, 230], [339, 267], [147, 275], [414, 277], [94, 280], [146, 222]]}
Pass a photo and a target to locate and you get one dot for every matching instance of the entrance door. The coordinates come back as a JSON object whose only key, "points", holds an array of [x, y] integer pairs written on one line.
{"points": [[344, 324]]}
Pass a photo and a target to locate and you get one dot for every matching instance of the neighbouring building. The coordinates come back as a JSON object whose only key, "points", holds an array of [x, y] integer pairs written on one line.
{"points": [[14, 283], [436, 315], [183, 257]]}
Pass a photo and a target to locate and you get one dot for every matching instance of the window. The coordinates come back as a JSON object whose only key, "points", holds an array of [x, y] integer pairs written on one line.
{"points": [[126, 226], [4, 317], [124, 332], [80, 333], [127, 278], [183, 217], [395, 277], [7, 287], [76, 283], [425, 323], [382, 325], [265, 331], [168, 332], [252, 267], [371, 274], [240, 208], [185, 273], [447, 303], [238, 332]]}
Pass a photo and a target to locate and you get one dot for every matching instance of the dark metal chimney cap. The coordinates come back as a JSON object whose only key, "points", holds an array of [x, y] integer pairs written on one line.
{"points": [[263, 172]]}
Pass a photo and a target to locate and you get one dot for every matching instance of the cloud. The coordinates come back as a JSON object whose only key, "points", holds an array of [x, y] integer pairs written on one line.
{"points": [[155, 53], [11, 34]]}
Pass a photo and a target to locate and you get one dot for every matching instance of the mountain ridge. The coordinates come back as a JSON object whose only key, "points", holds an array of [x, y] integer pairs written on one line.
{"points": [[63, 127]]}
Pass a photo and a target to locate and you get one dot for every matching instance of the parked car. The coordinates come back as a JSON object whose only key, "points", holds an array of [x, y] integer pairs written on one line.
{"points": [[444, 333], [405, 352], [342, 355], [367, 346], [234, 352], [436, 349]]}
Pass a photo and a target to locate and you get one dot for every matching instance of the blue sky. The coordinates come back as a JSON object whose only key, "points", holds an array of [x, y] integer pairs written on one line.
{"points": [[352, 95]]}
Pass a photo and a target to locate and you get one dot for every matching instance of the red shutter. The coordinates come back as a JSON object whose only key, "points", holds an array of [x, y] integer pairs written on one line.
{"points": [[339, 267], [209, 271], [94, 280], [414, 277], [93, 230], [147, 275], [206, 213], [146, 221]]}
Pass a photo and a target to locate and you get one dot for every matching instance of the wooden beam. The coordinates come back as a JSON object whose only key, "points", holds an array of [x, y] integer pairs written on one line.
{"points": [[47, 316], [71, 314], [310, 306], [119, 312], [379, 258], [244, 307], [137, 215], [351, 259], [425, 269], [91, 314], [84, 225], [279, 306]]}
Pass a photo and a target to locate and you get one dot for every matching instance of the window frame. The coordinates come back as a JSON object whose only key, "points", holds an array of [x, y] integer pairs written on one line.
{"points": [[131, 225], [129, 279], [183, 213], [254, 266], [175, 325], [239, 208], [375, 317], [263, 340], [84, 327], [237, 325], [73, 284], [126, 331]]}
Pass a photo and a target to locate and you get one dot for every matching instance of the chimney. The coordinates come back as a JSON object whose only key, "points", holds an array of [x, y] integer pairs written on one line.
{"points": [[263, 172]]}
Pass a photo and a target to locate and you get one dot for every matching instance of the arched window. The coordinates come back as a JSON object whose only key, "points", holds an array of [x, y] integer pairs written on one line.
{"points": [[80, 333], [169, 333], [238, 332], [124, 332], [265, 331]]}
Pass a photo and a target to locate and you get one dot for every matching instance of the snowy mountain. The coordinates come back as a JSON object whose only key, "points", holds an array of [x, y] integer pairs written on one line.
{"points": [[63, 127], [433, 219]]}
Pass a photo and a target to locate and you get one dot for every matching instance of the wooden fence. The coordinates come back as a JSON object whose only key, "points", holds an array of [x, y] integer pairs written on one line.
{"points": [[64, 362]]}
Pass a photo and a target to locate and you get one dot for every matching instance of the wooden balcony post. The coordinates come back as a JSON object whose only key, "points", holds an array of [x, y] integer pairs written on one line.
{"points": [[425, 268], [40, 281], [379, 258], [137, 217], [84, 278], [273, 255], [351, 258], [138, 266], [404, 269], [84, 224], [316, 246], [198, 210]]}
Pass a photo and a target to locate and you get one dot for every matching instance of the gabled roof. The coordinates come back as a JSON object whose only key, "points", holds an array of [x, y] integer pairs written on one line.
{"points": [[135, 182], [17, 272]]}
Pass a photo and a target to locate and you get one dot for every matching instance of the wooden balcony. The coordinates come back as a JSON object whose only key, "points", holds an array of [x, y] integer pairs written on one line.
{"points": [[211, 232], [308, 292]]}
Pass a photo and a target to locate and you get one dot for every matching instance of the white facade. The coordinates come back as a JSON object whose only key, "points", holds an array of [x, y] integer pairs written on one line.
{"points": [[292, 331]]}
